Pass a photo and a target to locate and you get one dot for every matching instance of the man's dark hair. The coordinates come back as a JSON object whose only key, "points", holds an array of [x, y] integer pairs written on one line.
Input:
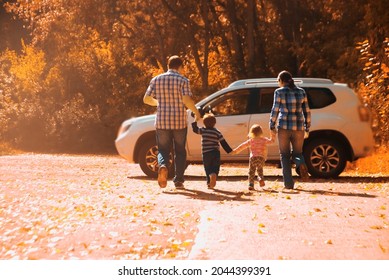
{"points": [[174, 62]]}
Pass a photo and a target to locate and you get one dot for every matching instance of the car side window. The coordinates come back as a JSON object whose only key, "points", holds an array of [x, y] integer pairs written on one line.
{"points": [[266, 100], [319, 97], [232, 103]]}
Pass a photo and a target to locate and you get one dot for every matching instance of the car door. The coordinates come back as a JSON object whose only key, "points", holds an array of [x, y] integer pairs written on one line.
{"points": [[232, 112]]}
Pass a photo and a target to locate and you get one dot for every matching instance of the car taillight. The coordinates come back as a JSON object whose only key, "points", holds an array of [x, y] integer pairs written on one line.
{"points": [[364, 113]]}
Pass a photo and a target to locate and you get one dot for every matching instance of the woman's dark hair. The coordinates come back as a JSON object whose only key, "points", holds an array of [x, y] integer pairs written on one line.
{"points": [[286, 78]]}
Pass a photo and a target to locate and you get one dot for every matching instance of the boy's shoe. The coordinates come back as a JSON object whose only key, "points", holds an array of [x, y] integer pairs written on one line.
{"points": [[304, 172], [251, 187], [162, 176], [179, 185], [261, 183], [212, 181]]}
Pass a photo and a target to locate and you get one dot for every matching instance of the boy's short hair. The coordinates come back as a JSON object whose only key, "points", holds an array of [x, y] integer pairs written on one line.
{"points": [[209, 120], [174, 62]]}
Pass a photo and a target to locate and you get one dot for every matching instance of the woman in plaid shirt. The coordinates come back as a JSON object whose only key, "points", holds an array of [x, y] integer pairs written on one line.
{"points": [[291, 110]]}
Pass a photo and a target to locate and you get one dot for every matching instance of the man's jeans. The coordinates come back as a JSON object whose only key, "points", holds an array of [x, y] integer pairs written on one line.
{"points": [[165, 139], [286, 138]]}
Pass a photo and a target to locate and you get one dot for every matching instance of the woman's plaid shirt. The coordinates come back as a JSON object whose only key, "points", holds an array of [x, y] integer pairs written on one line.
{"points": [[168, 88], [291, 108]]}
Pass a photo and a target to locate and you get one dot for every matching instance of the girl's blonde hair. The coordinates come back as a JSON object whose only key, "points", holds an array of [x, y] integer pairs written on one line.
{"points": [[255, 131]]}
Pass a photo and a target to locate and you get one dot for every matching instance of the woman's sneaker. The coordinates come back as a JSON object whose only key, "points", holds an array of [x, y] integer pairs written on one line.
{"points": [[179, 185], [289, 190]]}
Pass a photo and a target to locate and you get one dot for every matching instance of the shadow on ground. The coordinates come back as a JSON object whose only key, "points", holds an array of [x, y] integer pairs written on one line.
{"points": [[212, 195]]}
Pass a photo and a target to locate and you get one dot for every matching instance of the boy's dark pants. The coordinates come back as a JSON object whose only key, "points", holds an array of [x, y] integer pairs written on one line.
{"points": [[211, 161]]}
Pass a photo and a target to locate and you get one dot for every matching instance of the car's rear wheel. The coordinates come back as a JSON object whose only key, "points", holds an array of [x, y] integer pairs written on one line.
{"points": [[325, 158], [148, 159]]}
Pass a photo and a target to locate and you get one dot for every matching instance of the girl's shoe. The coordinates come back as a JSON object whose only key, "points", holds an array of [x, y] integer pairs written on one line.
{"points": [[251, 187], [261, 183]]}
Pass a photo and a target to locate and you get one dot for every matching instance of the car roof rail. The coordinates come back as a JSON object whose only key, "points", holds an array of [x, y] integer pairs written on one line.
{"points": [[274, 80]]}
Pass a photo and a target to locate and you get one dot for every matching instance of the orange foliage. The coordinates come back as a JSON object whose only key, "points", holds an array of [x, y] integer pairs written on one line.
{"points": [[375, 164]]}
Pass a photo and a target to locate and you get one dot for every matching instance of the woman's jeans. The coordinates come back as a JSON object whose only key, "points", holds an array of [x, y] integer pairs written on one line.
{"points": [[211, 161], [165, 139], [286, 139]]}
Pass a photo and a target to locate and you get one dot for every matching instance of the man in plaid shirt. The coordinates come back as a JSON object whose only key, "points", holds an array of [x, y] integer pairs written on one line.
{"points": [[291, 109], [171, 93]]}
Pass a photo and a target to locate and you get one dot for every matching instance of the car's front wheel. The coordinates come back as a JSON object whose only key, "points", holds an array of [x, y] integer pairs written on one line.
{"points": [[148, 159], [325, 158]]}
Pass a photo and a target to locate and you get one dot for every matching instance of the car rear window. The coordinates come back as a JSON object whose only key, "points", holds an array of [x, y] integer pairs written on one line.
{"points": [[317, 98]]}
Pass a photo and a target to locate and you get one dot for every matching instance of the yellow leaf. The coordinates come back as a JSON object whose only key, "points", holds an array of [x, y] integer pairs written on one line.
{"points": [[376, 227], [187, 242], [329, 241], [383, 249], [186, 214], [261, 225], [260, 231]]}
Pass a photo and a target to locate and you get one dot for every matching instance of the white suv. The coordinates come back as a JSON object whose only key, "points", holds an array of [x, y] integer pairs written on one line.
{"points": [[340, 129]]}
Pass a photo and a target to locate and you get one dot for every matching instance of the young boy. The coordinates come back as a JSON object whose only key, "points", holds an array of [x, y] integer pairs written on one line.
{"points": [[211, 137]]}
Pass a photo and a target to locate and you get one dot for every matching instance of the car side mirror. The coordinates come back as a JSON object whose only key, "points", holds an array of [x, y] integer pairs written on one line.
{"points": [[201, 111]]}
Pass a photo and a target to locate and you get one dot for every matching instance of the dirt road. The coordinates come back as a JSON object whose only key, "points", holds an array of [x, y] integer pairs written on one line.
{"points": [[101, 207]]}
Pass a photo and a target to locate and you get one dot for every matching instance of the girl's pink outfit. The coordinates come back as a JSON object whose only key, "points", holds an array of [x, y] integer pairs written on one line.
{"points": [[258, 155]]}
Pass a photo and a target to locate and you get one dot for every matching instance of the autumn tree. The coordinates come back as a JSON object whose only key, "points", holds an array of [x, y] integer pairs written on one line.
{"points": [[96, 57]]}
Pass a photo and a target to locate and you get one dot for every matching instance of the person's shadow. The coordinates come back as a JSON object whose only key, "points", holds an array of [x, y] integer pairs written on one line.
{"points": [[221, 195], [212, 195]]}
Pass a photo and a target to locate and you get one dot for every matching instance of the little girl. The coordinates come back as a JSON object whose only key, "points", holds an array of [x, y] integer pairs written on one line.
{"points": [[258, 153]]}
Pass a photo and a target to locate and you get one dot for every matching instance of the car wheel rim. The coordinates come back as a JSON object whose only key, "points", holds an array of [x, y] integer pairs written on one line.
{"points": [[152, 159], [325, 158]]}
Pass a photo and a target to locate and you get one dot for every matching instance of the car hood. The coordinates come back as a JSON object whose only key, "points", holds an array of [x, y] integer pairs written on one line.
{"points": [[140, 120]]}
